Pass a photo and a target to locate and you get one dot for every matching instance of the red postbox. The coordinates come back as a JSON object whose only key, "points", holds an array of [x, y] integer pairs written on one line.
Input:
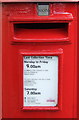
{"points": [[39, 60]]}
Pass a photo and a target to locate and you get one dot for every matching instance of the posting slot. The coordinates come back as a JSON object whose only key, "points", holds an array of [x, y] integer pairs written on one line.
{"points": [[40, 32]]}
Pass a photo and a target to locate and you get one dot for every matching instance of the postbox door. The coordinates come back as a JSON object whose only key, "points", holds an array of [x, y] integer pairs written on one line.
{"points": [[39, 60]]}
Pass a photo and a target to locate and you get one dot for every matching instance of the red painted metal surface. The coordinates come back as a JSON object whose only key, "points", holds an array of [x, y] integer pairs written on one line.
{"points": [[16, 43], [78, 62], [0, 60], [39, 0]]}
